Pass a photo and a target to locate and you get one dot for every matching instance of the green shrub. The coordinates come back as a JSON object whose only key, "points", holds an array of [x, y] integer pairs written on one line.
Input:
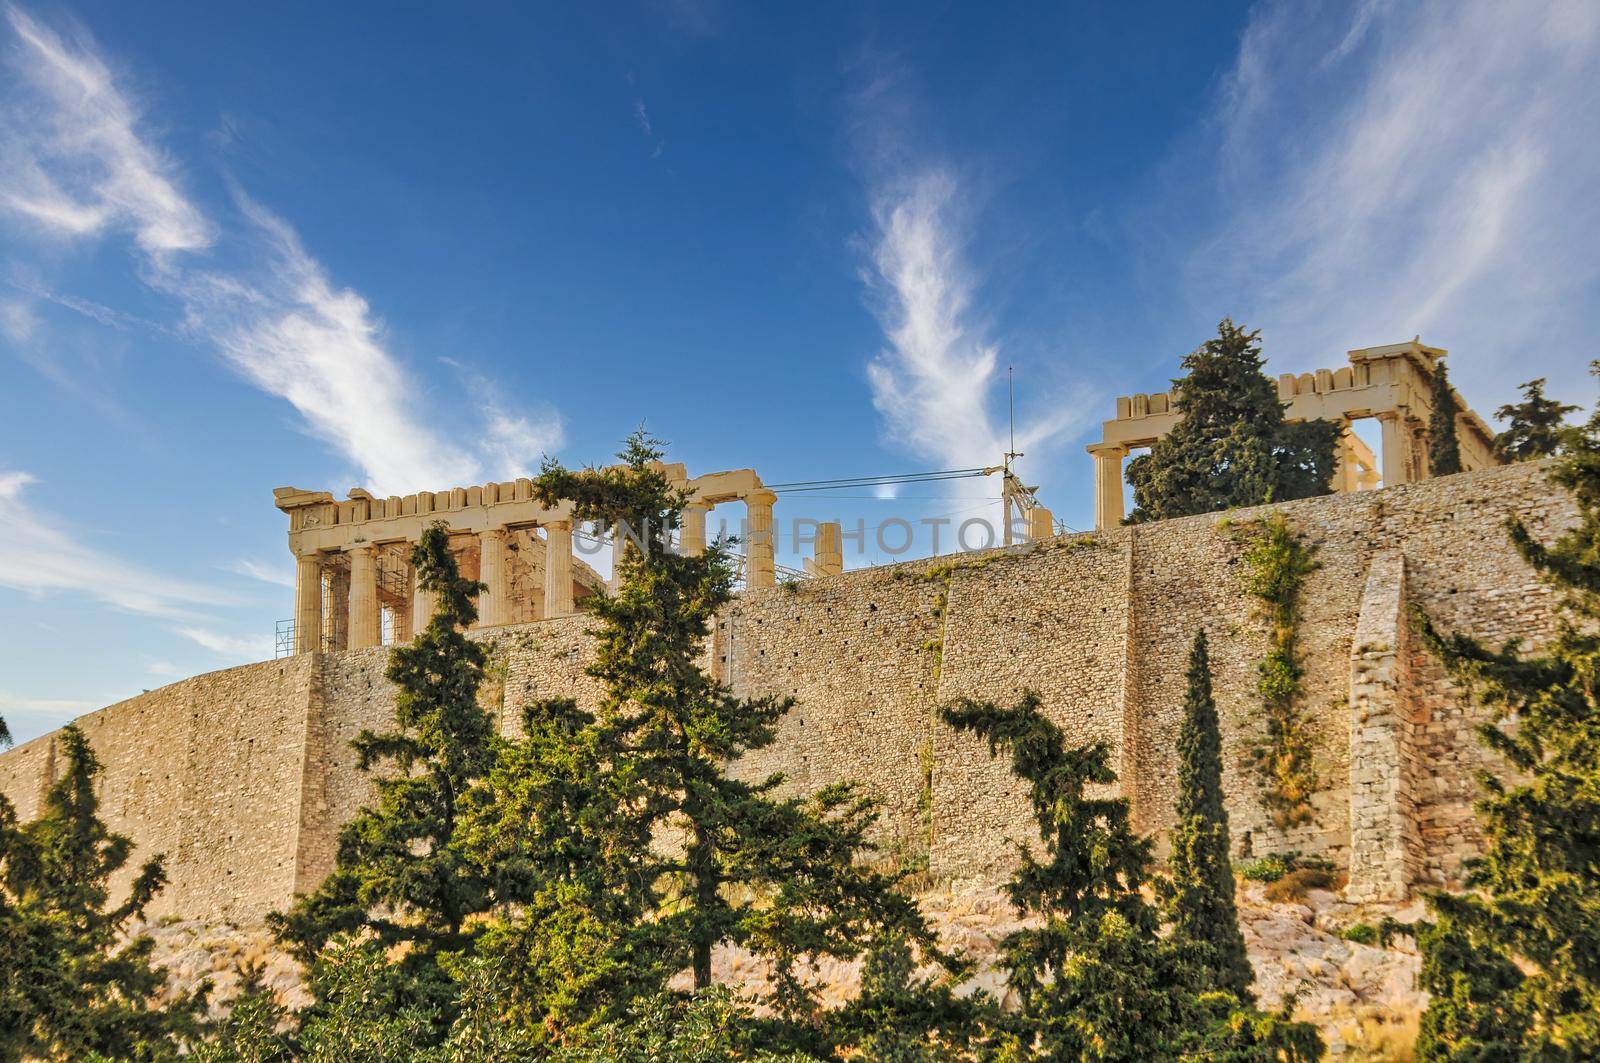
{"points": [[1267, 869], [1361, 934]]}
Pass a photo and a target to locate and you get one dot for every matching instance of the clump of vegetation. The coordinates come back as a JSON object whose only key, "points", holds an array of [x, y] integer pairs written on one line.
{"points": [[1362, 934], [1289, 876], [1535, 425], [1268, 868], [1232, 446], [1276, 566], [1294, 886]]}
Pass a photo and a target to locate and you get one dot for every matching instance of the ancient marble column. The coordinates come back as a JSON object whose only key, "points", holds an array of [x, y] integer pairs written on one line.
{"points": [[828, 553], [558, 569], [692, 537], [307, 603], [1108, 509], [1395, 459], [492, 572], [364, 627], [1041, 524], [336, 609], [760, 568], [1346, 476]]}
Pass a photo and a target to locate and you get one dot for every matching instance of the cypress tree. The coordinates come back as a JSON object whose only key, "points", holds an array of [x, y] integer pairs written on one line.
{"points": [[73, 985], [1095, 979], [1444, 449], [1232, 446], [1204, 915], [1513, 964], [401, 874], [785, 878], [1535, 425]]}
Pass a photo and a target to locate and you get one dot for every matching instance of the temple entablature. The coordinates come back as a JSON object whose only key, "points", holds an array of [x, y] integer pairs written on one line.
{"points": [[1392, 383], [353, 581]]}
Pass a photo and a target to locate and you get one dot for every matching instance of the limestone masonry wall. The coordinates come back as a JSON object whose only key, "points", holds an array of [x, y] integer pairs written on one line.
{"points": [[242, 777]]}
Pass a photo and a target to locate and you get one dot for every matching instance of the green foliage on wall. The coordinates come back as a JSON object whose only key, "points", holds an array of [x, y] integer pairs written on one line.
{"points": [[1276, 565]]}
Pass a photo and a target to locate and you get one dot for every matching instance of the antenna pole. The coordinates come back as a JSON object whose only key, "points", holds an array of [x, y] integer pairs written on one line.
{"points": [[1011, 404]]}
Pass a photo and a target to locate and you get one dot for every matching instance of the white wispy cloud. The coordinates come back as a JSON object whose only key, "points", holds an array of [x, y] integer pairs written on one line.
{"points": [[39, 554], [266, 572], [1413, 168], [79, 167], [296, 335], [938, 379], [642, 116], [74, 161], [512, 444], [27, 716], [18, 321], [225, 644]]}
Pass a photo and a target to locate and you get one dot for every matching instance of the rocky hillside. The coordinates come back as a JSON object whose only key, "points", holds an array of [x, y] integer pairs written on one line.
{"points": [[1363, 997]]}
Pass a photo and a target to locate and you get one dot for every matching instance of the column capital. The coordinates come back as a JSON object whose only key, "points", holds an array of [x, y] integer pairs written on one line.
{"points": [[1108, 450], [760, 497]]}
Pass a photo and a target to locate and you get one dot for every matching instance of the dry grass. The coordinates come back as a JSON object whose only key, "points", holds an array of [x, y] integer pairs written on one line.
{"points": [[1293, 887]]}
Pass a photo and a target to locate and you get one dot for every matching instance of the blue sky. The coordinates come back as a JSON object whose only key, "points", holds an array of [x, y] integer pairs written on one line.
{"points": [[243, 246]]}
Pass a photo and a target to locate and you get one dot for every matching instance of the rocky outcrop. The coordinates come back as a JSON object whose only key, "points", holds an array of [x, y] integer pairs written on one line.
{"points": [[1363, 997]]}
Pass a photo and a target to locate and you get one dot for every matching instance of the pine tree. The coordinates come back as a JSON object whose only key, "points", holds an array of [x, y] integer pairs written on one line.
{"points": [[569, 867], [1232, 446], [1444, 449], [786, 879], [73, 986], [1096, 979], [1513, 964], [1204, 917], [1535, 424], [400, 872]]}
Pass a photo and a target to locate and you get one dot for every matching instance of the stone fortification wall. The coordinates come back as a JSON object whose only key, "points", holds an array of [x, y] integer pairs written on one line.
{"points": [[242, 777], [206, 772]]}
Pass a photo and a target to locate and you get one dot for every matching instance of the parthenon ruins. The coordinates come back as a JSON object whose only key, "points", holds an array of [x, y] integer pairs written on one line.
{"points": [[1391, 383], [353, 580]]}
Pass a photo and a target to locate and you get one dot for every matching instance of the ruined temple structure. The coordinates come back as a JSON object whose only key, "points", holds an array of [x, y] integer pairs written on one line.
{"points": [[1391, 383], [354, 587]]}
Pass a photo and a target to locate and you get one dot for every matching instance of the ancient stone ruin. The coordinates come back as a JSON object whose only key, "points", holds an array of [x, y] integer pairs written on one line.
{"points": [[1391, 384], [242, 777]]}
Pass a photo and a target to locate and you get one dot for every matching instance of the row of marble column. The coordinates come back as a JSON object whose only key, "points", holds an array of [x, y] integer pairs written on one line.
{"points": [[364, 626], [1400, 459], [760, 561]]}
